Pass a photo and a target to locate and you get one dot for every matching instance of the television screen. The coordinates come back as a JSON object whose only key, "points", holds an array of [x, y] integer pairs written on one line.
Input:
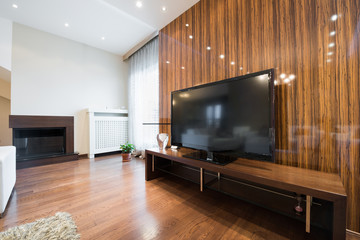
{"points": [[233, 117]]}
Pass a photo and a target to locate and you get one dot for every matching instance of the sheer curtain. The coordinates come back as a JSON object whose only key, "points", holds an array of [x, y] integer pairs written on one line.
{"points": [[144, 96]]}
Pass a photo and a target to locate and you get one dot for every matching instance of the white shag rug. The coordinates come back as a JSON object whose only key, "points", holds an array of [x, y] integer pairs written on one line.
{"points": [[58, 227]]}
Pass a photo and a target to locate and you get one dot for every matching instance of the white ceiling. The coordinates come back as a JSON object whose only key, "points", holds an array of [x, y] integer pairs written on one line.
{"points": [[121, 23]]}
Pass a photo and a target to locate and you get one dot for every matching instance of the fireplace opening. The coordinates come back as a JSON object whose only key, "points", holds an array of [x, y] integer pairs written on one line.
{"points": [[35, 143]]}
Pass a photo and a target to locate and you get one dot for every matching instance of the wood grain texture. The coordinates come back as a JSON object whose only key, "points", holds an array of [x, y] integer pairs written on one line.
{"points": [[318, 112], [110, 199], [318, 184]]}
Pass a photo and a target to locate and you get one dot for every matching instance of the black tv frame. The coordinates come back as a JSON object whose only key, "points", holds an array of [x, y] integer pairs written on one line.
{"points": [[270, 73]]}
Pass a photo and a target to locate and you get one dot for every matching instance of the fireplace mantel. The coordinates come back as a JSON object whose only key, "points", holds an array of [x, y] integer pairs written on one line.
{"points": [[38, 122]]}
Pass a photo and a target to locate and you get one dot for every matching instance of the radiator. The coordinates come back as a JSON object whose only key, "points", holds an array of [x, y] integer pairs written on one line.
{"points": [[108, 130]]}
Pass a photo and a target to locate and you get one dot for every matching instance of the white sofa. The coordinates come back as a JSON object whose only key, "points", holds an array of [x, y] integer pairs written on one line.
{"points": [[7, 174]]}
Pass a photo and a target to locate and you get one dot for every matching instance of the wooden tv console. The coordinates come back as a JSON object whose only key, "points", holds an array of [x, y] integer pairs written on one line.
{"points": [[312, 184]]}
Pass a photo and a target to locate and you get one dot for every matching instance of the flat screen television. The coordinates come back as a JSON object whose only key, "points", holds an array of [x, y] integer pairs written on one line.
{"points": [[226, 119]]}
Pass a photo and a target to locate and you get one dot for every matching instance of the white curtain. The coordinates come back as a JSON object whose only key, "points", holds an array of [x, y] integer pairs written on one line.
{"points": [[144, 96]]}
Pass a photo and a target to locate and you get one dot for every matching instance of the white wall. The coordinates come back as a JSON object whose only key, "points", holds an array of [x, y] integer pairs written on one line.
{"points": [[55, 76], [5, 43]]}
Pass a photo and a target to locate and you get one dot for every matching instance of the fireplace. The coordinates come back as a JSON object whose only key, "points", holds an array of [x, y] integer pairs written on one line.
{"points": [[33, 143], [42, 140]]}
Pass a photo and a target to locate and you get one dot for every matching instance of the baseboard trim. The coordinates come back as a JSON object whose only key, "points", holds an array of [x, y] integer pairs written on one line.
{"points": [[354, 235], [83, 156], [46, 161]]}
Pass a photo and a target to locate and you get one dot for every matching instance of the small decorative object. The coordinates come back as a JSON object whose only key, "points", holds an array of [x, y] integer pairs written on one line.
{"points": [[298, 209], [162, 139], [126, 149]]}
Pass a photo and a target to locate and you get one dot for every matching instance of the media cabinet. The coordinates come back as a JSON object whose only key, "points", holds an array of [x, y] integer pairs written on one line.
{"points": [[251, 180]]}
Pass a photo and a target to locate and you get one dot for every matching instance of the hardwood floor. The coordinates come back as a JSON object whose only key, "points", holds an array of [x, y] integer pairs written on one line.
{"points": [[109, 199]]}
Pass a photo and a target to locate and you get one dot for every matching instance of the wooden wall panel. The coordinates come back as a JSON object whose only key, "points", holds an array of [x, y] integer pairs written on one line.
{"points": [[317, 111]]}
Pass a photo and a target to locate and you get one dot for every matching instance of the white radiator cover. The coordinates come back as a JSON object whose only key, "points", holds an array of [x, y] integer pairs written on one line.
{"points": [[108, 129]]}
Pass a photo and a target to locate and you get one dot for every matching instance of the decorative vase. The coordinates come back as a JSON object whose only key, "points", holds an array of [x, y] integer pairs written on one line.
{"points": [[126, 157], [162, 139]]}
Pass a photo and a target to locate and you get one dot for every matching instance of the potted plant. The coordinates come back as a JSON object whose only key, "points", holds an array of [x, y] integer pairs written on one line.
{"points": [[126, 150]]}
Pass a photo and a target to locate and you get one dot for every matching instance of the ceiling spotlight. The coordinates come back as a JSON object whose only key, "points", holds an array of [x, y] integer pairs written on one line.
{"points": [[191, 37], [330, 53], [332, 33], [186, 25], [241, 68], [182, 68], [334, 17], [163, 9], [275, 82], [329, 60], [222, 56], [286, 80], [15, 6], [66, 25], [283, 75], [167, 62], [102, 38], [208, 48], [232, 63], [331, 44], [139, 4]]}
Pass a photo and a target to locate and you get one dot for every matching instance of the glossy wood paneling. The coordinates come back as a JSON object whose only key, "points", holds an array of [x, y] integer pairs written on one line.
{"points": [[317, 113]]}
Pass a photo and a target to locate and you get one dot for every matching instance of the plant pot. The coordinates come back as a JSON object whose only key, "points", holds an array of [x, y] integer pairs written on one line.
{"points": [[126, 157]]}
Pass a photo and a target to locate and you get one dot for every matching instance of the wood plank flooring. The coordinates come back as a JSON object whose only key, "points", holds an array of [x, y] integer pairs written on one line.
{"points": [[109, 199]]}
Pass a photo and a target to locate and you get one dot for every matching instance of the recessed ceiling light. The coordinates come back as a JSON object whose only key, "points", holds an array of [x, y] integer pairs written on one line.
{"points": [[334, 17], [241, 68], [186, 25], [283, 75], [222, 56], [332, 33], [286, 80], [191, 37], [102, 38], [330, 53], [167, 62], [66, 24], [292, 77], [139, 4], [232, 63], [15, 6], [331, 44], [275, 82], [163, 9], [329, 60], [182, 68], [208, 48]]}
